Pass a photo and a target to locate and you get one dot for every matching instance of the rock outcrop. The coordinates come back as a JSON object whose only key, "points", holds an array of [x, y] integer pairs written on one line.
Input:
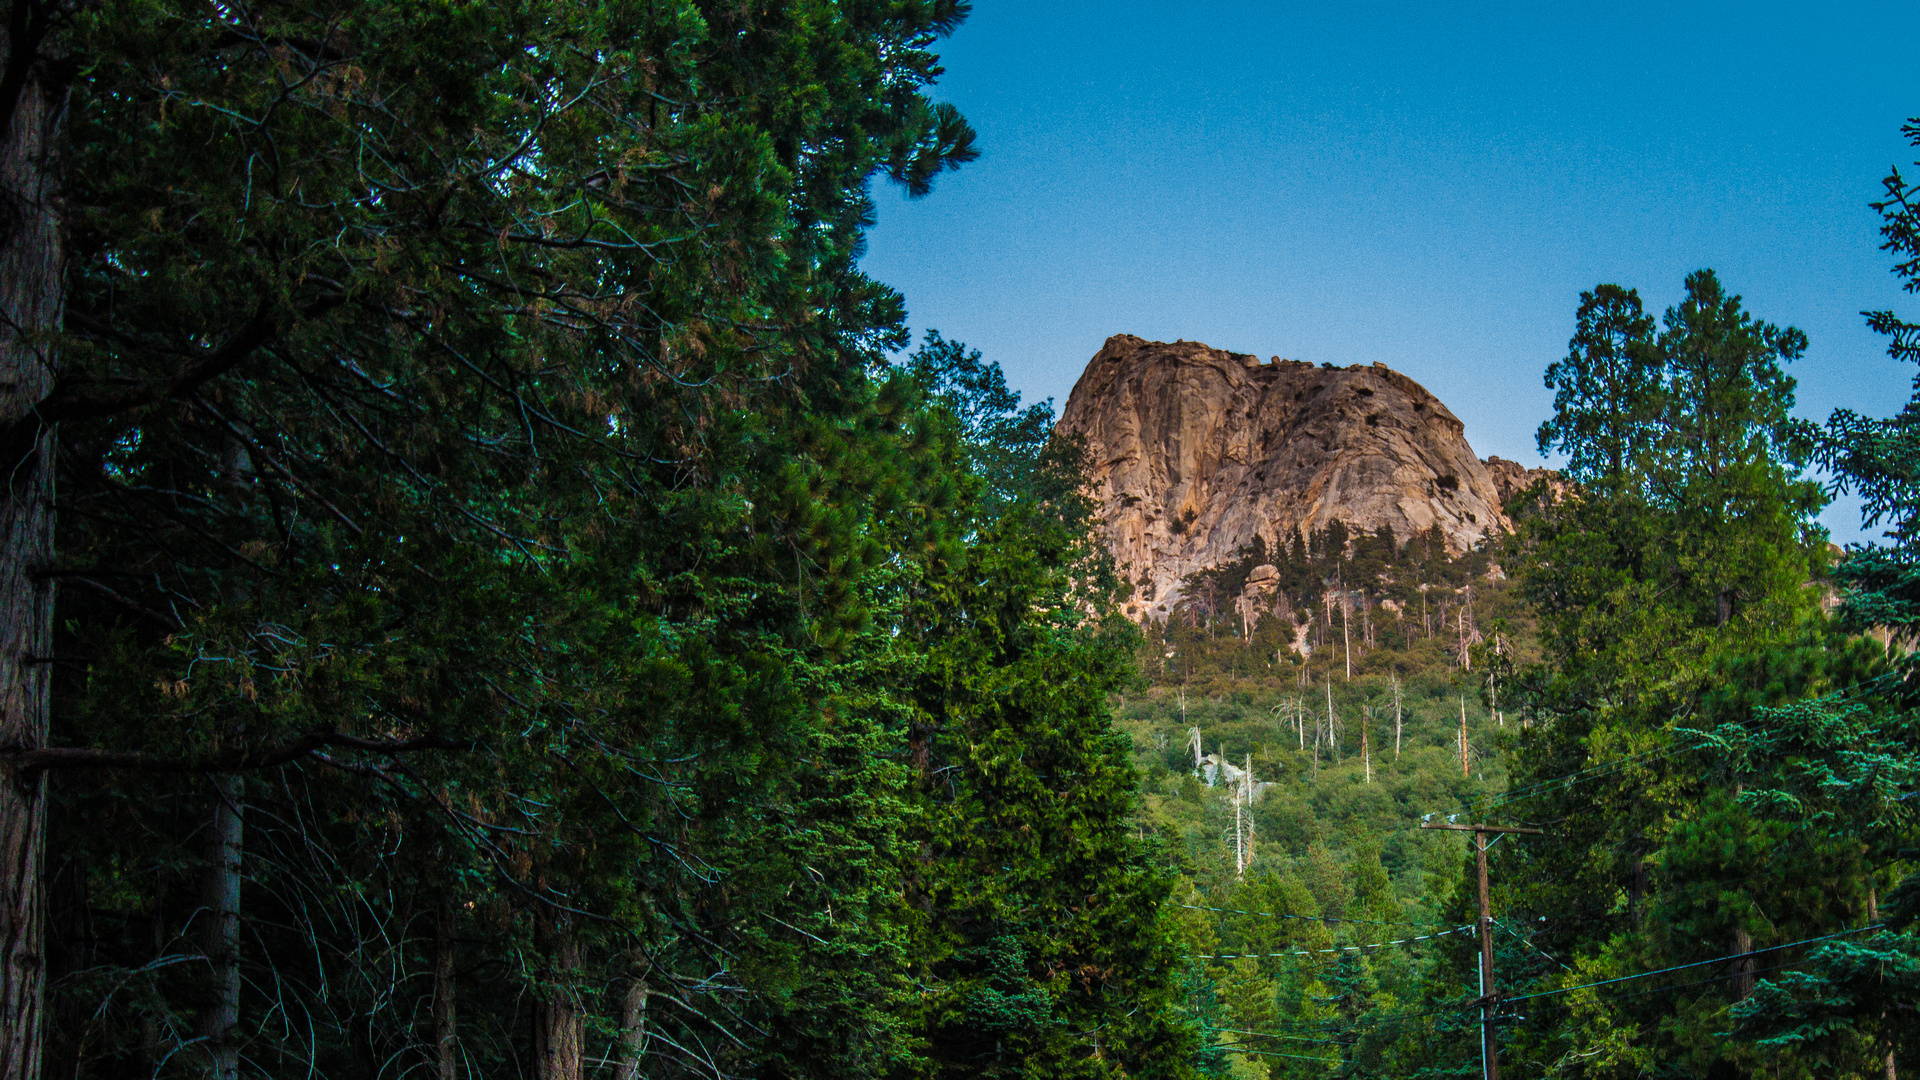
{"points": [[1510, 478], [1195, 451]]}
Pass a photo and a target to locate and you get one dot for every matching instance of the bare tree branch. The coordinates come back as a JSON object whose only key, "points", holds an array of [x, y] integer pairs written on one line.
{"points": [[77, 757]]}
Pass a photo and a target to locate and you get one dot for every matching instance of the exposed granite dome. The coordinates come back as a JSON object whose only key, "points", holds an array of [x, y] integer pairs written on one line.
{"points": [[1194, 451]]}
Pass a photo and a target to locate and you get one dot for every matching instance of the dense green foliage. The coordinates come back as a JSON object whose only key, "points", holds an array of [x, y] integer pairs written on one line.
{"points": [[479, 441], [1721, 770], [1045, 950], [1674, 601], [1848, 769], [1288, 974], [506, 582]]}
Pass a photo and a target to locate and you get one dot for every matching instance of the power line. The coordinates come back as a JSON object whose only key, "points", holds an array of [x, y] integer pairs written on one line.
{"points": [[1695, 964], [1272, 1035], [1595, 772], [1529, 944], [1369, 1021], [1343, 948], [1365, 1021], [1304, 918], [1858, 690], [1685, 985], [1234, 1048]]}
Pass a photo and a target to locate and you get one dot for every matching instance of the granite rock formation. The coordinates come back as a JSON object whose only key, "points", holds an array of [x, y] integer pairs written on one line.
{"points": [[1195, 451], [1511, 478]]}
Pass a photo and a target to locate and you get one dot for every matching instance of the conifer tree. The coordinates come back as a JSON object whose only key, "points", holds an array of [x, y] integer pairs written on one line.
{"points": [[1843, 767], [1671, 596], [476, 455], [1045, 950]]}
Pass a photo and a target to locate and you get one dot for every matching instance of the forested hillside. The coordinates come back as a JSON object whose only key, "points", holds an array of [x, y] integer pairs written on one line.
{"points": [[1691, 771]]}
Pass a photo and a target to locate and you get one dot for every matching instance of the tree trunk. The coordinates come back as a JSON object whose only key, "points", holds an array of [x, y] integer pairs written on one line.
{"points": [[1396, 717], [1333, 740], [30, 299], [1346, 636], [1464, 771], [445, 1032], [633, 1030], [557, 1034], [1743, 965], [220, 929], [1637, 887]]}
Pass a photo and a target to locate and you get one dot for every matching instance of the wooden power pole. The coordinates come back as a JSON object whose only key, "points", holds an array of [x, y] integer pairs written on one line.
{"points": [[1489, 1054]]}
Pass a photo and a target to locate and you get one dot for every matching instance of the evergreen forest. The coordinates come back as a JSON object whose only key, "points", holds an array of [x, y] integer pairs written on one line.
{"points": [[490, 588]]}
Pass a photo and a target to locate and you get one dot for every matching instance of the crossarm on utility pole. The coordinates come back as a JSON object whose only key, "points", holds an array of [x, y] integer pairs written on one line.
{"points": [[1489, 1053], [1480, 828]]}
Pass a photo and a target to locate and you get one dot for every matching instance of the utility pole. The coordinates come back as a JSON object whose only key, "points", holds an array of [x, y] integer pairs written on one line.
{"points": [[1489, 1053]]}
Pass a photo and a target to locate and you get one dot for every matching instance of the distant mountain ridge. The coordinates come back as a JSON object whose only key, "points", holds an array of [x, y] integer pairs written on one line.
{"points": [[1194, 451]]}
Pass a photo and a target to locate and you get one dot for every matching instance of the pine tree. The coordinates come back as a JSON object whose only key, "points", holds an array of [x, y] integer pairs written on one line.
{"points": [[477, 456], [1671, 597], [1841, 767], [1045, 950]]}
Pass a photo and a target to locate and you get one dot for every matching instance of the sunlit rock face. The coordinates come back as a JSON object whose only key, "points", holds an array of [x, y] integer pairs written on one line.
{"points": [[1511, 478], [1194, 451]]}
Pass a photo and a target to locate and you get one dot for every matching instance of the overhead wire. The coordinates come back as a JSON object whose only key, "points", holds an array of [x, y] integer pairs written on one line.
{"points": [[1607, 768], [1682, 986], [1597, 771], [1529, 944], [1358, 1023], [1305, 918], [1695, 964], [1274, 1035], [1339, 949], [1230, 1048]]}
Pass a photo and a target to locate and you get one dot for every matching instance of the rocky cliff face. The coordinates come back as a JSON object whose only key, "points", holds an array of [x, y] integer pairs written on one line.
{"points": [[1511, 478], [1195, 451]]}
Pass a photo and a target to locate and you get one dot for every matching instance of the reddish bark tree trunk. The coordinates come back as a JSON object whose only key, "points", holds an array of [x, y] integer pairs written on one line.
{"points": [[30, 311], [557, 1028], [1742, 967]]}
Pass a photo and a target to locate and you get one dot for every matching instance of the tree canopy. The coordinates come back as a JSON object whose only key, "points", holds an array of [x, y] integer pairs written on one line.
{"points": [[501, 573]]}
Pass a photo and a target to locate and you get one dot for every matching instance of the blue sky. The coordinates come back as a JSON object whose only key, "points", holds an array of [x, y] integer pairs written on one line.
{"points": [[1426, 185]]}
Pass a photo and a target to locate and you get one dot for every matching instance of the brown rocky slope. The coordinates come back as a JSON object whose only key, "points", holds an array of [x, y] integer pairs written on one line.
{"points": [[1194, 451]]}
